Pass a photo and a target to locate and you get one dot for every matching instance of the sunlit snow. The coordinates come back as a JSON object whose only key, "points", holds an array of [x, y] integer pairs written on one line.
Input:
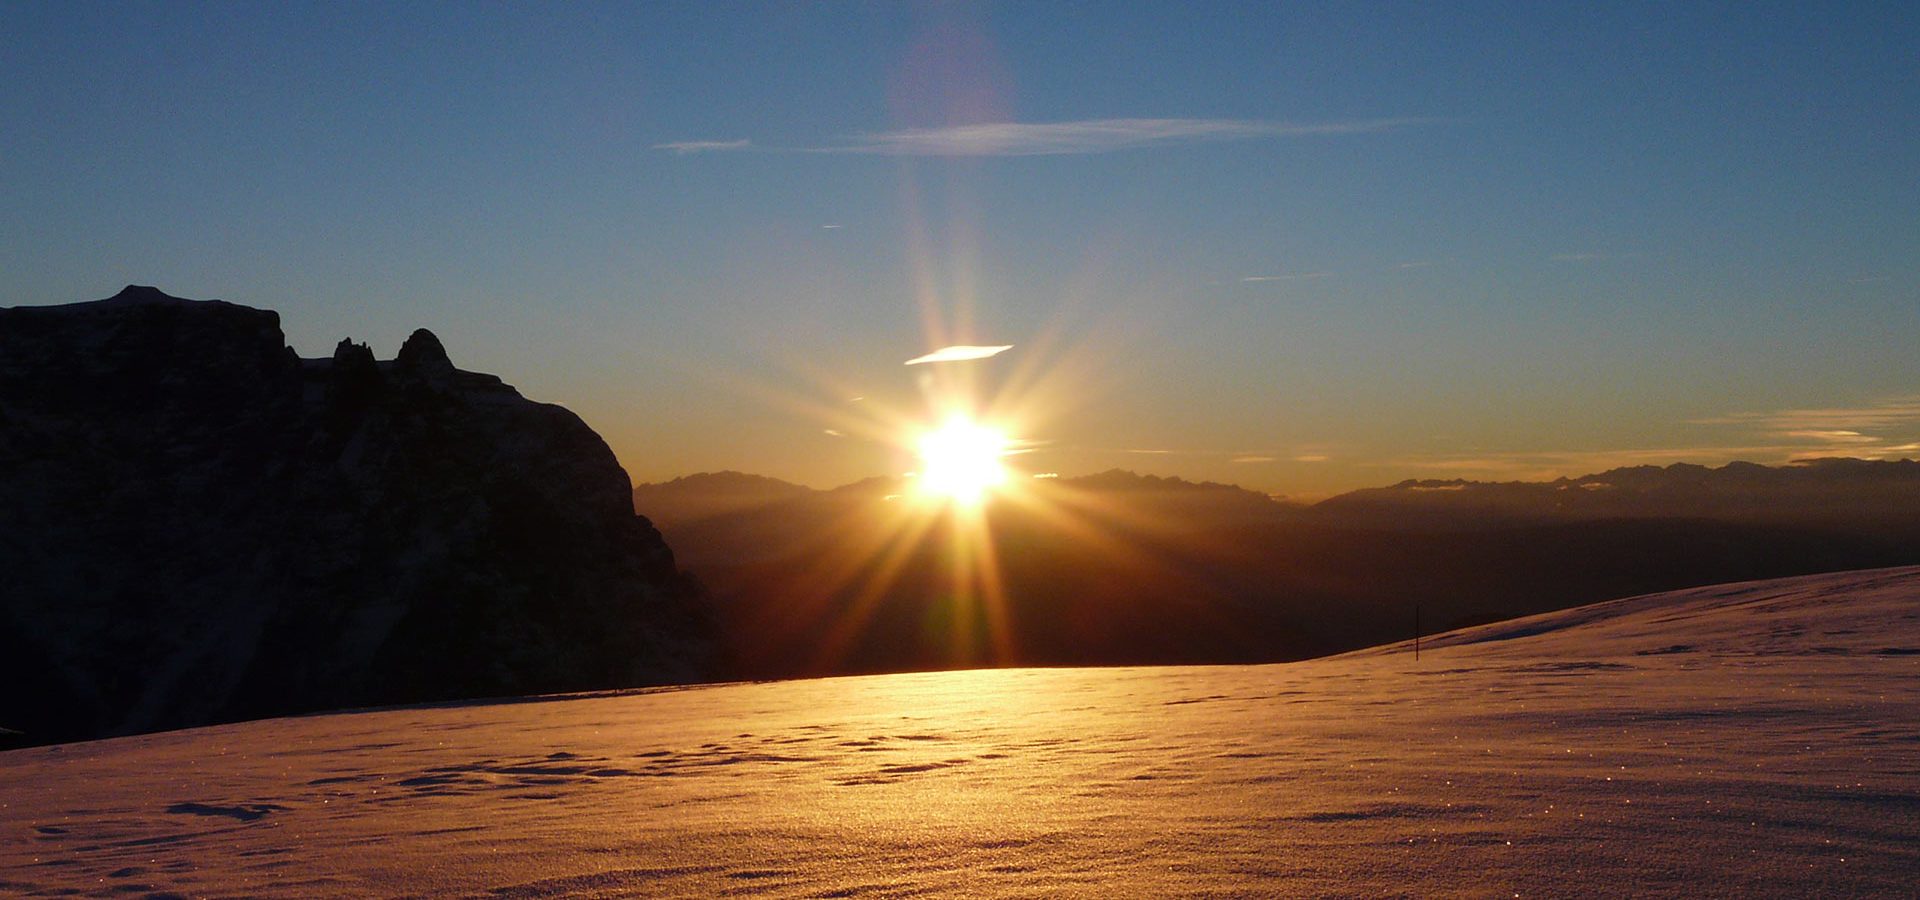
{"points": [[1754, 738]]}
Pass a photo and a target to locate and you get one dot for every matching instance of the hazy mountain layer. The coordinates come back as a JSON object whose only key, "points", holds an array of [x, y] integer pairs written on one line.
{"points": [[1859, 494], [1753, 739], [199, 526], [1125, 569]]}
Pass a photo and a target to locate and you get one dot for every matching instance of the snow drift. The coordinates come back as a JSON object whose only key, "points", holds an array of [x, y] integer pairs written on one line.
{"points": [[1756, 738]]}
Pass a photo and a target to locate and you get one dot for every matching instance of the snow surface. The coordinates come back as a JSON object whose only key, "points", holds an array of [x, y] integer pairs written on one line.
{"points": [[1759, 738]]}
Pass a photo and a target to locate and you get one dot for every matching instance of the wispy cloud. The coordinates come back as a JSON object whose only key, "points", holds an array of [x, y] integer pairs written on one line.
{"points": [[1834, 436], [684, 148], [959, 353], [1547, 465], [1252, 279], [1089, 136], [1232, 456], [1587, 256], [1889, 429], [1890, 413], [1875, 431]]}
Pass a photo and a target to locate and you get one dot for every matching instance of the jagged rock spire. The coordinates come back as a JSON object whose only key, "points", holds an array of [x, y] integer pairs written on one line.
{"points": [[348, 352]]}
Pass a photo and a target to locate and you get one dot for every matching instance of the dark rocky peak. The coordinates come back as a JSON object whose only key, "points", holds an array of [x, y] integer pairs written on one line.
{"points": [[353, 378], [127, 345], [348, 355], [138, 294], [423, 355], [196, 525], [149, 306]]}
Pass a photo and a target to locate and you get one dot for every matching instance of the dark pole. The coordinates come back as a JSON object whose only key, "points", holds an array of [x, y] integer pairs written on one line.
{"points": [[1416, 632]]}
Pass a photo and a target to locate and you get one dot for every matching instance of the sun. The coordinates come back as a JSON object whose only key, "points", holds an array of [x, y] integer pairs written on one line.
{"points": [[960, 460]]}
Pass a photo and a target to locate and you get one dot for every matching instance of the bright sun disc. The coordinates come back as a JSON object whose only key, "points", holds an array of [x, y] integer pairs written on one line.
{"points": [[960, 460]]}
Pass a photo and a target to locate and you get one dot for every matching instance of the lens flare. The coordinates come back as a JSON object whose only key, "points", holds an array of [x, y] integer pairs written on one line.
{"points": [[960, 460]]}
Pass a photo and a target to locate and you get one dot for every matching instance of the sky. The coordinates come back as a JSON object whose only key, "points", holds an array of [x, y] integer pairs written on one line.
{"points": [[1299, 247]]}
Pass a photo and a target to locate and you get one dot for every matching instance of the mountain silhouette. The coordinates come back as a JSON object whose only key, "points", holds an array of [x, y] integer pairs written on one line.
{"points": [[1121, 568], [1840, 493], [200, 526]]}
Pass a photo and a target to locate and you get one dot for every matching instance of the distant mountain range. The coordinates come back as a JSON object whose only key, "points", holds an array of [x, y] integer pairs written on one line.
{"points": [[1838, 491], [692, 498], [1846, 493], [1126, 568]]}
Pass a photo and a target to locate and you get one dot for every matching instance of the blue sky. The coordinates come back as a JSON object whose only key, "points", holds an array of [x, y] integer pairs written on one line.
{"points": [[1298, 247]]}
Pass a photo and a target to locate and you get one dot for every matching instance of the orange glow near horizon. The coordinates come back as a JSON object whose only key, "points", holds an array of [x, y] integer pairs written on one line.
{"points": [[928, 545]]}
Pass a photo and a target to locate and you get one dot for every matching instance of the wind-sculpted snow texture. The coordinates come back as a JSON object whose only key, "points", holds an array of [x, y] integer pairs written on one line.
{"points": [[197, 526], [1749, 739]]}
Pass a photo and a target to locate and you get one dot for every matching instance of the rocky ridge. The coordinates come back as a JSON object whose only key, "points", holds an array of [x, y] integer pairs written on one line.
{"points": [[198, 525]]}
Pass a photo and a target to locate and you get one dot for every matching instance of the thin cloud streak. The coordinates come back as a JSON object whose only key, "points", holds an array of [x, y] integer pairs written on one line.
{"points": [[1252, 279], [684, 148], [1773, 438], [1888, 413], [959, 353], [1235, 456], [1836, 436], [1090, 136], [1548, 465]]}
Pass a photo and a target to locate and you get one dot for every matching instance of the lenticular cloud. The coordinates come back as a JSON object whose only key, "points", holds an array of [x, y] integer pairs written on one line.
{"points": [[959, 353]]}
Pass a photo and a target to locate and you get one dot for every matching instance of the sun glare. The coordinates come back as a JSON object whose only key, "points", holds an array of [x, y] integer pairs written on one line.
{"points": [[960, 460]]}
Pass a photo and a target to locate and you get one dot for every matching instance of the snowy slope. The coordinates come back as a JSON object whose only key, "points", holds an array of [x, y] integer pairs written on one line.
{"points": [[1759, 738]]}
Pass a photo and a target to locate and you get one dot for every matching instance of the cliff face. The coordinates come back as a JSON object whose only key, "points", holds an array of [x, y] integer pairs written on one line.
{"points": [[197, 525]]}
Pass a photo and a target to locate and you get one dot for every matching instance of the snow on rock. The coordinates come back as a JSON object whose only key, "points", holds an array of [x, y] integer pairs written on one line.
{"points": [[1759, 738]]}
